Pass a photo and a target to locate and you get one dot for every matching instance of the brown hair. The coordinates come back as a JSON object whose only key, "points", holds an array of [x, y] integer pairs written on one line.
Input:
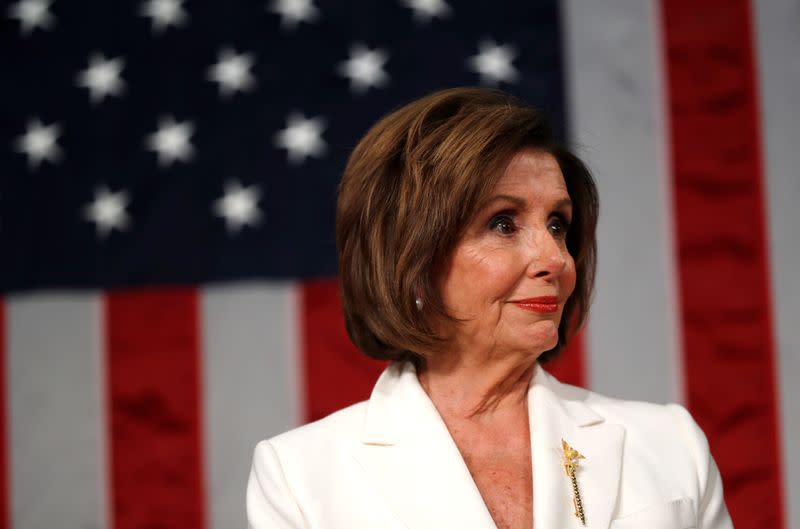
{"points": [[412, 185]]}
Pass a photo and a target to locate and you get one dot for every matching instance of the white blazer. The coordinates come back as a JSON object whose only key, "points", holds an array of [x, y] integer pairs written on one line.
{"points": [[390, 463]]}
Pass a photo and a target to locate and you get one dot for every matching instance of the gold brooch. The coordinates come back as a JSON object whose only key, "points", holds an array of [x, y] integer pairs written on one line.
{"points": [[571, 457]]}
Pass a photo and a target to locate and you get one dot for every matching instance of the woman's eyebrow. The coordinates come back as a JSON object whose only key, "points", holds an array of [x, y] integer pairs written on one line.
{"points": [[518, 202], [521, 203], [563, 202]]}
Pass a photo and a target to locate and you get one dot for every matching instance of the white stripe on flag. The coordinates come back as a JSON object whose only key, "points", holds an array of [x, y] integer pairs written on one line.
{"points": [[615, 87], [56, 389], [251, 380], [777, 44]]}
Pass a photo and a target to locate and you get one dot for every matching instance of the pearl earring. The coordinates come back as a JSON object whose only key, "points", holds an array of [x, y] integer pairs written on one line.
{"points": [[419, 303]]}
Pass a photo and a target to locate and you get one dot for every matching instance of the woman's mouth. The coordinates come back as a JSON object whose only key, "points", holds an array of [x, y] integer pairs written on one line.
{"points": [[540, 304]]}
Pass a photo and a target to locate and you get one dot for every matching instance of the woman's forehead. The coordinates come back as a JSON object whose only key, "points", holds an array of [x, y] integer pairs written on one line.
{"points": [[532, 172]]}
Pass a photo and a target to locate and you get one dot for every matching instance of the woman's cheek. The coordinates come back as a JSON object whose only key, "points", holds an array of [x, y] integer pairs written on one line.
{"points": [[571, 275]]}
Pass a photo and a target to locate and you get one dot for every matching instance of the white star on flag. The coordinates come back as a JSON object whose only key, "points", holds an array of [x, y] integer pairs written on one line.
{"points": [[164, 13], [493, 63], [425, 10], [107, 211], [364, 68], [171, 141], [232, 72], [302, 138], [238, 206], [32, 14], [39, 143], [294, 11], [102, 77]]}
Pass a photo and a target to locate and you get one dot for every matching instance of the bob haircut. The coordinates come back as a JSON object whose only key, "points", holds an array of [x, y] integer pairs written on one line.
{"points": [[409, 190]]}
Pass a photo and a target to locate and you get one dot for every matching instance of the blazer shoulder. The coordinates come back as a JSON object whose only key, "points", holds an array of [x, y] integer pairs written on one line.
{"points": [[632, 414], [294, 469], [342, 426], [671, 421], [657, 433], [650, 428], [666, 436]]}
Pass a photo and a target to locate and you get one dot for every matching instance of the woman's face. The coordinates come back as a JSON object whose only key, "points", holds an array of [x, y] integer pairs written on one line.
{"points": [[513, 251]]}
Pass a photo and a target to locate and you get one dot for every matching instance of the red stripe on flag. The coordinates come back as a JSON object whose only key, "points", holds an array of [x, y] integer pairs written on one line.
{"points": [[570, 365], [721, 239], [4, 474], [153, 361], [336, 373]]}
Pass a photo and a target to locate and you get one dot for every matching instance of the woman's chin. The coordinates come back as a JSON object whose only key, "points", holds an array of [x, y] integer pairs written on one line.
{"points": [[543, 335]]}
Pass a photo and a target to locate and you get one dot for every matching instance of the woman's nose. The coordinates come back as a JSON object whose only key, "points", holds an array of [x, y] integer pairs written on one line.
{"points": [[546, 255]]}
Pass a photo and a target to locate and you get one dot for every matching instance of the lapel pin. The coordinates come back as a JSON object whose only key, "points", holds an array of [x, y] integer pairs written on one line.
{"points": [[571, 457]]}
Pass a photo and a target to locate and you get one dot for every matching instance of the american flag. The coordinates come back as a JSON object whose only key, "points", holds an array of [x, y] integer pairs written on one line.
{"points": [[167, 188]]}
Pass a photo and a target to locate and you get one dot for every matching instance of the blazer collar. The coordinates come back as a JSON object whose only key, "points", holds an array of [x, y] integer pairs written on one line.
{"points": [[558, 411], [410, 457]]}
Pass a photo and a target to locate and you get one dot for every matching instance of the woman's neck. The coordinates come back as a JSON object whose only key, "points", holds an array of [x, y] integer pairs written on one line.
{"points": [[466, 388]]}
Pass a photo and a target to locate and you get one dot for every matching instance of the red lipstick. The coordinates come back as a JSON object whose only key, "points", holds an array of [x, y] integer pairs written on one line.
{"points": [[540, 304]]}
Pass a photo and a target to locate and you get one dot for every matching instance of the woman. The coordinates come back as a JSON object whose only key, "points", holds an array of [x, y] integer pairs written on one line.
{"points": [[466, 241]]}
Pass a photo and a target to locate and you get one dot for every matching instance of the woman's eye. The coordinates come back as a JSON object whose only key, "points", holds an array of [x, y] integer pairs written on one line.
{"points": [[503, 224], [560, 227]]}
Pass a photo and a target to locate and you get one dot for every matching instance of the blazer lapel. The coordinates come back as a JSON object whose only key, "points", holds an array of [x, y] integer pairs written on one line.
{"points": [[410, 457], [559, 412]]}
